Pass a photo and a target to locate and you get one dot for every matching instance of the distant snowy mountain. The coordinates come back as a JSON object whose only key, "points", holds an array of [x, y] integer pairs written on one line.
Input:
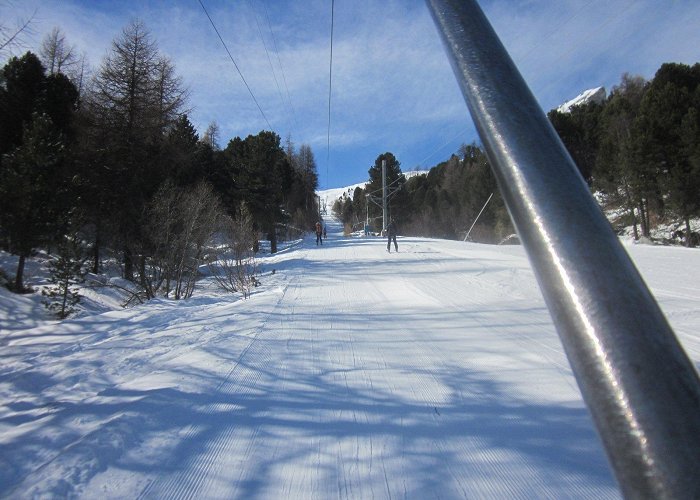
{"points": [[596, 95]]}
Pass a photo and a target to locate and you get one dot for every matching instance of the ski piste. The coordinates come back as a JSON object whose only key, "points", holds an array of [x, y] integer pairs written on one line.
{"points": [[435, 372]]}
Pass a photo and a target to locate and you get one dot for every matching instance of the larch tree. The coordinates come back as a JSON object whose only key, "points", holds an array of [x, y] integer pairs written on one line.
{"points": [[13, 36], [137, 98], [57, 55]]}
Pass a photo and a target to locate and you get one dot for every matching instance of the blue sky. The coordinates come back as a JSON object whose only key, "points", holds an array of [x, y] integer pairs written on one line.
{"points": [[393, 89]]}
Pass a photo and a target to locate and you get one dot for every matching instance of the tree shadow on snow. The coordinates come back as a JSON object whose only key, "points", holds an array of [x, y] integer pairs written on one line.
{"points": [[339, 415]]}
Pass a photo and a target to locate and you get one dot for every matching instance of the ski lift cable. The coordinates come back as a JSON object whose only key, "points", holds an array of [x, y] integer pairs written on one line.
{"points": [[234, 63], [557, 29], [388, 186], [589, 35], [529, 53], [279, 61], [461, 132], [267, 53], [330, 91]]}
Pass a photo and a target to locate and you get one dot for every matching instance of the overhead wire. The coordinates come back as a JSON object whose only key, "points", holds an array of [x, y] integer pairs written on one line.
{"points": [[589, 34], [602, 26], [557, 29], [267, 53], [234, 63], [524, 57], [448, 142], [279, 61], [330, 92]]}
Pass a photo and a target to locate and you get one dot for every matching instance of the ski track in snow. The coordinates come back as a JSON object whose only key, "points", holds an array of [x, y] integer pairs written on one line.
{"points": [[434, 372]]}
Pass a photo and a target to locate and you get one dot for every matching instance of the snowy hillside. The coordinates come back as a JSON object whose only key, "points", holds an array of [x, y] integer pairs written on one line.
{"points": [[330, 195], [351, 373], [596, 95]]}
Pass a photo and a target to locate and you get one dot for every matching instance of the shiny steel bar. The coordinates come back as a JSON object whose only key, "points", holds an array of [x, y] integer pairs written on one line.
{"points": [[640, 387]]}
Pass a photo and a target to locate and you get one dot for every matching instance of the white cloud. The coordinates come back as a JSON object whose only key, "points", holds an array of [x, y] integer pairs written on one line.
{"points": [[393, 88]]}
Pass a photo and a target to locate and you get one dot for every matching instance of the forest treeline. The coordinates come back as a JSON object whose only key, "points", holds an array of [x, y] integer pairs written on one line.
{"points": [[109, 164], [113, 163], [639, 150], [441, 204]]}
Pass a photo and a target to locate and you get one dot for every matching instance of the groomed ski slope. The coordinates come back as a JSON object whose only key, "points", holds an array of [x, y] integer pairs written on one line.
{"points": [[434, 372]]}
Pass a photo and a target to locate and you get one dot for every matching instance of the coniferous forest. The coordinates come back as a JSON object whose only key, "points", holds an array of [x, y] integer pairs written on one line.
{"points": [[107, 163], [639, 151], [112, 164]]}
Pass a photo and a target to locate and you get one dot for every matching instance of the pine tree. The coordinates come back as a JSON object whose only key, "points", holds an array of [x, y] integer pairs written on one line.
{"points": [[394, 181], [67, 270], [181, 152], [36, 125], [578, 130], [691, 182], [264, 174], [668, 133], [617, 172], [27, 189], [22, 89]]}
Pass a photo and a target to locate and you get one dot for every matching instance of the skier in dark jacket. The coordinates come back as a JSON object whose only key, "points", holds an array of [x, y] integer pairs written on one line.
{"points": [[391, 235], [319, 233]]}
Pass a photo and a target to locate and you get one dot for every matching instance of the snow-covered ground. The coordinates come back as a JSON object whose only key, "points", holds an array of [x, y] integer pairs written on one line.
{"points": [[434, 372]]}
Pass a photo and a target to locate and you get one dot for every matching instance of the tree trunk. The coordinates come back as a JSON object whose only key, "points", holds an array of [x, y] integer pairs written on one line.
{"points": [[128, 264], [142, 277], [630, 204], [272, 236], [65, 285], [643, 219], [688, 236], [647, 225], [19, 277], [96, 252]]}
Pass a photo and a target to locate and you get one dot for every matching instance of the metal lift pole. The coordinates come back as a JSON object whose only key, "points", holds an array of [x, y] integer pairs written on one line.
{"points": [[639, 385], [383, 197]]}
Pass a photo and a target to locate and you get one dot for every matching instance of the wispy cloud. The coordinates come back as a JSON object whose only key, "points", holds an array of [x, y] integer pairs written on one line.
{"points": [[393, 89]]}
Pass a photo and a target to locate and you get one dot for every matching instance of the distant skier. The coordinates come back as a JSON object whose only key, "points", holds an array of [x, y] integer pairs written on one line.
{"points": [[391, 235], [324, 232], [319, 233]]}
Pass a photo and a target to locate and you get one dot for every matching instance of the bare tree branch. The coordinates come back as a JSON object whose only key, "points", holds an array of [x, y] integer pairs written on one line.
{"points": [[12, 37]]}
